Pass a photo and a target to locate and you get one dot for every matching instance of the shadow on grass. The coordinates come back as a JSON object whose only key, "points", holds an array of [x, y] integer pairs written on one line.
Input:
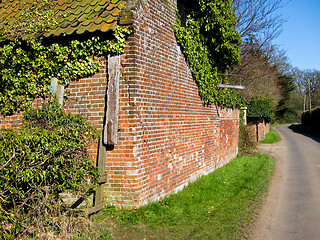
{"points": [[306, 131]]}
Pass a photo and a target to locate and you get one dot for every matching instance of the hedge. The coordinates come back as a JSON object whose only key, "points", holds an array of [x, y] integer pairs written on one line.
{"points": [[260, 107]]}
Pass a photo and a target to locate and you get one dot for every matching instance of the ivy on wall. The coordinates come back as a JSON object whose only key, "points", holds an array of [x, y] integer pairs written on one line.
{"points": [[26, 67], [210, 44]]}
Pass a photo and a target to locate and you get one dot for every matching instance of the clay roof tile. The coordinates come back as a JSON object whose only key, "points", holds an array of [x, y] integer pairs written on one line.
{"points": [[72, 15]]}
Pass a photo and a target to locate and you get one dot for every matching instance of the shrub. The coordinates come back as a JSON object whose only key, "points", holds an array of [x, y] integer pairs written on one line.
{"points": [[247, 140], [39, 160], [288, 116]]}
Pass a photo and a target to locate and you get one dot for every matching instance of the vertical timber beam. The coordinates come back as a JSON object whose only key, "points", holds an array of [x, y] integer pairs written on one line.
{"points": [[99, 195], [112, 101]]}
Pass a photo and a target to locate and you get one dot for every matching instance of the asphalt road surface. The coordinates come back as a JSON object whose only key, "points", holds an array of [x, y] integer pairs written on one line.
{"points": [[292, 209]]}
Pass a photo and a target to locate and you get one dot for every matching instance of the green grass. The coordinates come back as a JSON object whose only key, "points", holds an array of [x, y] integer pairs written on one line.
{"points": [[271, 137], [220, 205]]}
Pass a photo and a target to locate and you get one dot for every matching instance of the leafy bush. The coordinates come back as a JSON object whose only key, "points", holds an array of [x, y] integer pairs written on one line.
{"points": [[41, 159], [247, 141], [260, 107], [288, 116]]}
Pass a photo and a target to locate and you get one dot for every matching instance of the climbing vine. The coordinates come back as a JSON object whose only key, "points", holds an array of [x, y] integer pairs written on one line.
{"points": [[210, 44], [26, 67]]}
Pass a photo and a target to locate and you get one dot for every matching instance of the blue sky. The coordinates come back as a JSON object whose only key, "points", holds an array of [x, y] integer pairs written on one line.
{"points": [[300, 36]]}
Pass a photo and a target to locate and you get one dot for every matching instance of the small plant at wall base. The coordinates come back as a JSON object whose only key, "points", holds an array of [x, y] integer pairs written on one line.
{"points": [[44, 157], [211, 47]]}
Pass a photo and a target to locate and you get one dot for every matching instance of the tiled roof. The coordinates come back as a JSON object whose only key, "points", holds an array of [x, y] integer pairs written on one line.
{"points": [[73, 16]]}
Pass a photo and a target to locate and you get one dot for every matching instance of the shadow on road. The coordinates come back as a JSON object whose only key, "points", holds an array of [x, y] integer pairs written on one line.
{"points": [[306, 131]]}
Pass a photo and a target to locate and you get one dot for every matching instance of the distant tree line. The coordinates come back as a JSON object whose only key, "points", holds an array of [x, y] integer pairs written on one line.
{"points": [[265, 70]]}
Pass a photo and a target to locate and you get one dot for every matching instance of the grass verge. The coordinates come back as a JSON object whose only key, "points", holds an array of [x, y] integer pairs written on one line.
{"points": [[271, 137], [220, 205]]}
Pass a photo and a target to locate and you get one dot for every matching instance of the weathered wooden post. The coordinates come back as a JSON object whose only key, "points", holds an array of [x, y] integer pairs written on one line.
{"points": [[99, 195], [112, 102], [110, 133]]}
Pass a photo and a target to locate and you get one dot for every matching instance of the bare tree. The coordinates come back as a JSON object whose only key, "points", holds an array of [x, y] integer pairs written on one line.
{"points": [[257, 74], [258, 24], [309, 85], [262, 63], [258, 19]]}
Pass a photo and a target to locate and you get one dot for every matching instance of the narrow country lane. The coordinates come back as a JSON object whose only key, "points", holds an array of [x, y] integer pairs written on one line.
{"points": [[298, 212], [292, 208]]}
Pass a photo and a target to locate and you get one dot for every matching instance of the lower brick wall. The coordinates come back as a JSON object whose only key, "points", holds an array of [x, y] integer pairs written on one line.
{"points": [[10, 121], [166, 148], [267, 127], [260, 127]]}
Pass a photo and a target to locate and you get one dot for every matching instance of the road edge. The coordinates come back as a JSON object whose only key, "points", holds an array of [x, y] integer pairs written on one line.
{"points": [[262, 226]]}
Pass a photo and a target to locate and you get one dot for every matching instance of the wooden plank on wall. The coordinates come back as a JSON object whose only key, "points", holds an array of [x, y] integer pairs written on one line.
{"points": [[112, 101]]}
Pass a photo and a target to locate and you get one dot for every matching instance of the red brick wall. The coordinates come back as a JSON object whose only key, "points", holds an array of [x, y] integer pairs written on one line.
{"points": [[267, 127], [10, 121], [87, 97], [166, 137], [259, 127]]}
